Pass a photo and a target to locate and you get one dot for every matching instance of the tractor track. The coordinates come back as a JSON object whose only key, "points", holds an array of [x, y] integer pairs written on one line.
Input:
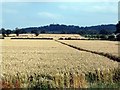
{"points": [[108, 55]]}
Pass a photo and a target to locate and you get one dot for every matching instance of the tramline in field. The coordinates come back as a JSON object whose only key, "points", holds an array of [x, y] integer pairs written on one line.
{"points": [[48, 57]]}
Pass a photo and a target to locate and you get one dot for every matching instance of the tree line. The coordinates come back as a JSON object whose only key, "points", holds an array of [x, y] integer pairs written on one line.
{"points": [[99, 31]]}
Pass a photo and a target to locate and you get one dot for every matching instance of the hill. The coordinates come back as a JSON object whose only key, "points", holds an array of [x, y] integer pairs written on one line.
{"points": [[70, 29]]}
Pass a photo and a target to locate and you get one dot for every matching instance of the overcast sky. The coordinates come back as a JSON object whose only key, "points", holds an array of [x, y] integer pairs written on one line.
{"points": [[32, 14]]}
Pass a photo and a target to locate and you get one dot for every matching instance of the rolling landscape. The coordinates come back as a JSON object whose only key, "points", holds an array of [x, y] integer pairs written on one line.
{"points": [[59, 56]]}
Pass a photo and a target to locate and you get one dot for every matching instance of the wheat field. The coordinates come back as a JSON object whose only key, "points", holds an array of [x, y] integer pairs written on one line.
{"points": [[54, 36], [48, 57], [96, 45], [32, 55]]}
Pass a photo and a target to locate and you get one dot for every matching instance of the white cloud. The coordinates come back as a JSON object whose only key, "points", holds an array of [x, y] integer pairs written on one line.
{"points": [[49, 15]]}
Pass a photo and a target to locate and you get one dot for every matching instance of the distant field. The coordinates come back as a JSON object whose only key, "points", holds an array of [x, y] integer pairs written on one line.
{"points": [[54, 36], [23, 58]]}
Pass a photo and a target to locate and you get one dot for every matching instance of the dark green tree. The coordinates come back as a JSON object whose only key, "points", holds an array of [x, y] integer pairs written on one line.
{"points": [[118, 37], [35, 32], [43, 31], [111, 37], [3, 32], [118, 31], [103, 37], [17, 31], [104, 32], [62, 32], [118, 28], [8, 32]]}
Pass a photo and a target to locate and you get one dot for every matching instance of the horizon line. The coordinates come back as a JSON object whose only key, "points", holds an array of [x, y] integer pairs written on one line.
{"points": [[59, 24]]}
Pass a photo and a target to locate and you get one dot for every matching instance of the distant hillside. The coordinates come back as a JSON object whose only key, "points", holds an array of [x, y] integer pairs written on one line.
{"points": [[71, 29]]}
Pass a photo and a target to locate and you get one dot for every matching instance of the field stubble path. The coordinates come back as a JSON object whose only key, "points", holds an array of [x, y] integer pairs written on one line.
{"points": [[108, 55]]}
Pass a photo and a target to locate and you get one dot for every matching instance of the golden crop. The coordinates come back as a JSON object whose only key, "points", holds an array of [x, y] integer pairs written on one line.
{"points": [[54, 36], [58, 65], [96, 45], [48, 56]]}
